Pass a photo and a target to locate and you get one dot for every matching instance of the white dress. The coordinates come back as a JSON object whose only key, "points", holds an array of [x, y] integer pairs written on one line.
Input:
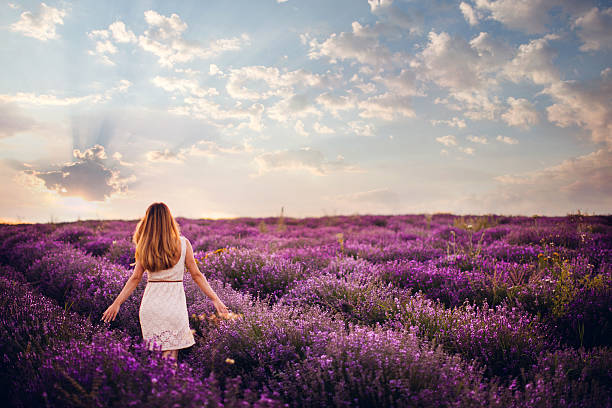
{"points": [[163, 309]]}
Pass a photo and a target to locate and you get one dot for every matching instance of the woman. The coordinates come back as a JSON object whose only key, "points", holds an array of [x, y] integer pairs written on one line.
{"points": [[163, 253]]}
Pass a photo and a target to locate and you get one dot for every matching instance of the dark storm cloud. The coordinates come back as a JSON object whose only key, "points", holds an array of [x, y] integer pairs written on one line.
{"points": [[92, 176]]}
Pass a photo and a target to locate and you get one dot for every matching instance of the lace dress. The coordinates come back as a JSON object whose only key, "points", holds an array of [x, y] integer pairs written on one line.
{"points": [[163, 310]]}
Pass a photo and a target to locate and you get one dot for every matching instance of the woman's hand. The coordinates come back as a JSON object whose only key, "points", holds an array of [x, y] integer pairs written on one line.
{"points": [[110, 313], [221, 309]]}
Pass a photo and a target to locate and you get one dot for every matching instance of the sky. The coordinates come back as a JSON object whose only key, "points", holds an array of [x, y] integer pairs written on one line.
{"points": [[236, 108]]}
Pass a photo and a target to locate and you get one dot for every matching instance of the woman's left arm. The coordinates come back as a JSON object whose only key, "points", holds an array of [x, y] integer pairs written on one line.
{"points": [[127, 290]]}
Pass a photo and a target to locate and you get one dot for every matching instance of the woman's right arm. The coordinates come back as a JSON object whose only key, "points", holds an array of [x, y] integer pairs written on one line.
{"points": [[201, 280]]}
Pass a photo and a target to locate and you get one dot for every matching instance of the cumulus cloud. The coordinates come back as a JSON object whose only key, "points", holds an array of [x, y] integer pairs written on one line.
{"points": [[465, 69], [184, 86], [448, 140], [595, 29], [105, 46], [477, 139], [587, 177], [585, 104], [40, 25], [164, 39], [92, 175], [299, 128], [451, 62], [454, 122], [470, 15], [361, 128], [506, 139], [403, 84], [534, 61], [530, 16], [357, 45], [270, 81], [322, 129], [120, 33], [335, 103], [386, 106], [391, 14], [213, 113], [305, 158], [202, 148], [521, 113], [165, 156], [295, 106]]}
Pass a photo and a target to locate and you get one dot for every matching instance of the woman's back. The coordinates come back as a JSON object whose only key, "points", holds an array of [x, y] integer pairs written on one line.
{"points": [[173, 273], [163, 310]]}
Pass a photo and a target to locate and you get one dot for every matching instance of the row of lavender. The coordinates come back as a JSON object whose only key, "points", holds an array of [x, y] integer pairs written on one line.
{"points": [[345, 330]]}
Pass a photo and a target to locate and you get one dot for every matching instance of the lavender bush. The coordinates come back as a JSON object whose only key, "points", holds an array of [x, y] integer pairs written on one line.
{"points": [[406, 310]]}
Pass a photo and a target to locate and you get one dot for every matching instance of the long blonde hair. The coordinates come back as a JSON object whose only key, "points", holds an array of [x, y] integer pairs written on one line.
{"points": [[157, 239]]}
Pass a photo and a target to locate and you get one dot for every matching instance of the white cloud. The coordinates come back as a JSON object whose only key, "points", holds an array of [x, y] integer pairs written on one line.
{"points": [[305, 158], [386, 106], [104, 40], [322, 129], [403, 84], [448, 140], [212, 149], [507, 140], [26, 98], [451, 62], [202, 108], [40, 25], [293, 107], [454, 122], [395, 16], [120, 33], [534, 61], [493, 53], [335, 103], [364, 87], [165, 156], [583, 104], [164, 39], [202, 148], [595, 29], [465, 69], [270, 81], [214, 70], [299, 128], [183, 85], [521, 113], [467, 150], [356, 45], [361, 128], [471, 16], [588, 176], [477, 139], [530, 16]]}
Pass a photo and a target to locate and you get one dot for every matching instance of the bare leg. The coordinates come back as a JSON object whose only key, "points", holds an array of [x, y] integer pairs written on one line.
{"points": [[172, 354]]}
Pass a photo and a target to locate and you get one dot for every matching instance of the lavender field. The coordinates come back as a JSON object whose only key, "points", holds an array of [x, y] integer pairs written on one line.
{"points": [[344, 311]]}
